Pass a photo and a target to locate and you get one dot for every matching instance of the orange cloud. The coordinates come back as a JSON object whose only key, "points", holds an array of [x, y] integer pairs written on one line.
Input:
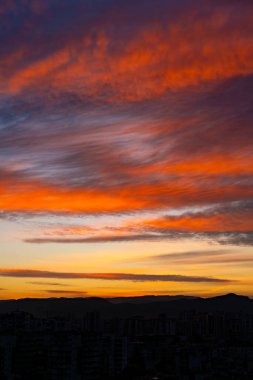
{"points": [[219, 222], [226, 164], [36, 196], [195, 48]]}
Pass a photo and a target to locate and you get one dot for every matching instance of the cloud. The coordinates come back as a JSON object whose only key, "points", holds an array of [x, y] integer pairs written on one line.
{"points": [[224, 223], [47, 283], [217, 256], [190, 254], [82, 175], [121, 47], [106, 113], [241, 239], [24, 273], [123, 160], [230, 238], [64, 292], [233, 217], [105, 239]]}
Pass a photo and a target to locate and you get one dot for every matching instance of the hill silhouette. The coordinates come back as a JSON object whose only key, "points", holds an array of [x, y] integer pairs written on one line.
{"points": [[129, 306]]}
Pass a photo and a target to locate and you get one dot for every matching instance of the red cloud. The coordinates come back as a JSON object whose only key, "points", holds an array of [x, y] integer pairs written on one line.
{"points": [[198, 46]]}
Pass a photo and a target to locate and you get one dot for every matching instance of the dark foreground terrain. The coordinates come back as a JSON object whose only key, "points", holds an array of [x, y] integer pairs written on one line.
{"points": [[127, 338]]}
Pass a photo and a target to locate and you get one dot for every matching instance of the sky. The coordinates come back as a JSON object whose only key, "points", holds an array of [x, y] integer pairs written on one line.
{"points": [[126, 148]]}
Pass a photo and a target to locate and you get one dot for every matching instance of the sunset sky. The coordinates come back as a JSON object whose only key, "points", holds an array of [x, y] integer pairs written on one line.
{"points": [[126, 147]]}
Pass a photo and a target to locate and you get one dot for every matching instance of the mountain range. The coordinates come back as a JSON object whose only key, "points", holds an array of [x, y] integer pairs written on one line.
{"points": [[147, 306]]}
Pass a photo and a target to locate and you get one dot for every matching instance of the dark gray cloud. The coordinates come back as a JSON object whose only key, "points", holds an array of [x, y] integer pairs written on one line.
{"points": [[25, 273], [106, 239], [241, 239], [222, 238], [190, 254], [47, 283], [229, 256]]}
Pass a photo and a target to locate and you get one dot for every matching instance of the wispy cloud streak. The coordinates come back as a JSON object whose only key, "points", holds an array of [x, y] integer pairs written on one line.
{"points": [[65, 292], [202, 257], [108, 276]]}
